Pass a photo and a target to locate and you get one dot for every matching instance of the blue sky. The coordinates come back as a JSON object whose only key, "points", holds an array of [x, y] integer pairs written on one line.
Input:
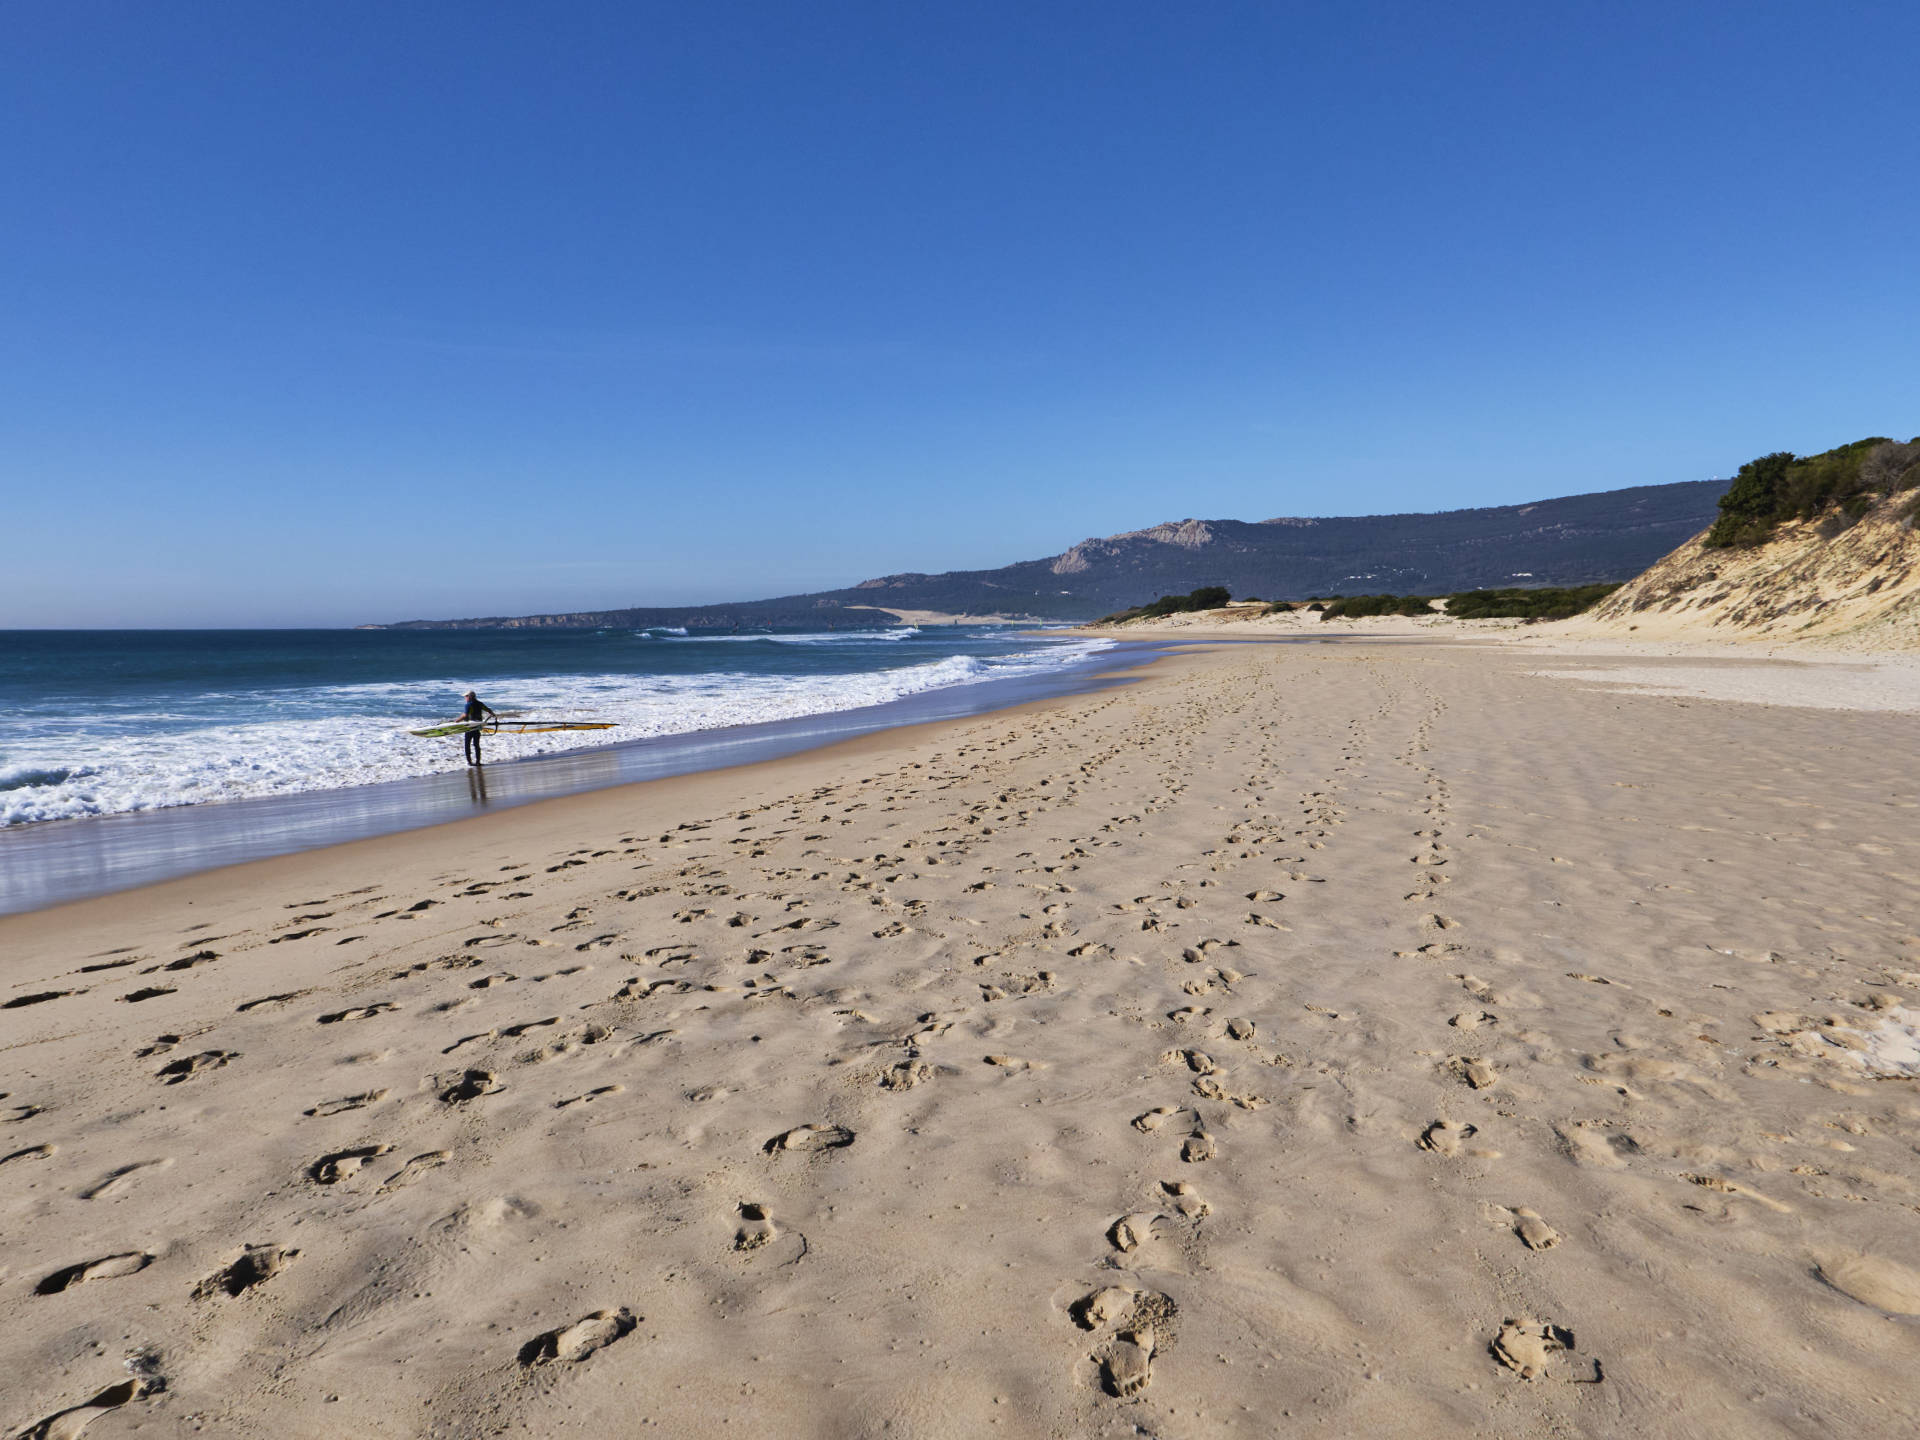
{"points": [[316, 314]]}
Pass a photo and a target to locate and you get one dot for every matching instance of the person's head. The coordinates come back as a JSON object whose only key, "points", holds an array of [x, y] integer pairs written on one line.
{"points": [[472, 696]]}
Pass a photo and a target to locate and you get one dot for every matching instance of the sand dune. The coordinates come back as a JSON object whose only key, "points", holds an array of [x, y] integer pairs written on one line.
{"points": [[1325, 1040]]}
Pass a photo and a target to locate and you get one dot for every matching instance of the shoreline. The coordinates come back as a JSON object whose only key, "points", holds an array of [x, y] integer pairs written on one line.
{"points": [[541, 820], [54, 861]]}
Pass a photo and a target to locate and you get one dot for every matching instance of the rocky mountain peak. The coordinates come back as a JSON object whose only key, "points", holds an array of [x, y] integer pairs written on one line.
{"points": [[1187, 534]]}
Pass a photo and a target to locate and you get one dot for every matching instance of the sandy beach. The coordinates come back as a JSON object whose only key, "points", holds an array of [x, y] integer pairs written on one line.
{"points": [[1378, 1038]]}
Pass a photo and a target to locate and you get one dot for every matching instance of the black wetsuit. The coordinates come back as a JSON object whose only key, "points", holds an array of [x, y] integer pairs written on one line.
{"points": [[474, 711]]}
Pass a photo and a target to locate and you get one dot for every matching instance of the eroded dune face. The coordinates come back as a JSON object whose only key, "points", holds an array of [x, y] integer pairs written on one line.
{"points": [[1860, 586], [1356, 1039]]}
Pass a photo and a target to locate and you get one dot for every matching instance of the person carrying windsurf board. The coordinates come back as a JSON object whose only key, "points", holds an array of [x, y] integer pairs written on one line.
{"points": [[476, 708]]}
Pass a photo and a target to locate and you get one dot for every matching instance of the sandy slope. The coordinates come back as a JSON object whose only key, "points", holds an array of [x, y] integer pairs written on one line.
{"points": [[1310, 1040], [1848, 589]]}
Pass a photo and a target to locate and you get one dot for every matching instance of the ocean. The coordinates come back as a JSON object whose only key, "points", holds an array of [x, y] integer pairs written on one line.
{"points": [[99, 723]]}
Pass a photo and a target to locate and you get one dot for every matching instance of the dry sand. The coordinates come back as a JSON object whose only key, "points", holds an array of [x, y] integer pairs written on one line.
{"points": [[1374, 1039]]}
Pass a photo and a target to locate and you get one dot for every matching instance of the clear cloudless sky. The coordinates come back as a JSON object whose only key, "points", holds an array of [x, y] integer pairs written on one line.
{"points": [[328, 313]]}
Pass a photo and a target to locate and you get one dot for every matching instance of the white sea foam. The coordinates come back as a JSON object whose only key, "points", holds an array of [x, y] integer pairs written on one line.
{"points": [[767, 637], [113, 767]]}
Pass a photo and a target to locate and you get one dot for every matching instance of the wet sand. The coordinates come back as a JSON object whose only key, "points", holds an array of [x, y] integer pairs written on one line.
{"points": [[1318, 1039]]}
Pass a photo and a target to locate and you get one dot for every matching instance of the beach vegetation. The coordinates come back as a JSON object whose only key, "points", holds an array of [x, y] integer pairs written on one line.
{"points": [[1840, 485], [1356, 607], [1512, 603], [1207, 597], [1515, 603]]}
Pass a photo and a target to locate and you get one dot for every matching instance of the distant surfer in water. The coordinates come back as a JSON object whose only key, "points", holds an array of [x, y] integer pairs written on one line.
{"points": [[476, 707]]}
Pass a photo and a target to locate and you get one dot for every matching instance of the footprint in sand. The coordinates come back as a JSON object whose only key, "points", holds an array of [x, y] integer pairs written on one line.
{"points": [[343, 1164], [589, 1097], [257, 1265], [1014, 1062], [756, 1226], [363, 1012], [346, 1102], [1198, 1148], [566, 1044], [573, 1343], [270, 1000], [189, 1066], [110, 1267], [1130, 1232], [1534, 1232], [115, 1178], [1197, 1061], [1143, 1325], [1153, 1119], [1884, 1284], [1447, 1137], [1734, 1187], [67, 1424], [1186, 1199], [905, 1075], [810, 1138], [39, 998], [1102, 1306], [1589, 1143], [1476, 1072], [470, 1086], [1128, 1365], [149, 992], [1434, 951], [1197, 953], [514, 1032], [1214, 1087], [1526, 1346], [32, 1152], [416, 1167], [1240, 1029], [185, 962]]}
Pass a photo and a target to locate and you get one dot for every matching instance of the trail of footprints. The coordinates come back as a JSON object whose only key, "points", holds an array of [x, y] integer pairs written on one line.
{"points": [[1219, 918], [1130, 1325]]}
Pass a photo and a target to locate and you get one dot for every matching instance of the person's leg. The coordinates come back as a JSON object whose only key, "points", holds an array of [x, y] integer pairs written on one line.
{"points": [[471, 745]]}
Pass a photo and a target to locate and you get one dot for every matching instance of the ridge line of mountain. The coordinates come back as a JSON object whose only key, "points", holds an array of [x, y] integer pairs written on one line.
{"points": [[1566, 540]]}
